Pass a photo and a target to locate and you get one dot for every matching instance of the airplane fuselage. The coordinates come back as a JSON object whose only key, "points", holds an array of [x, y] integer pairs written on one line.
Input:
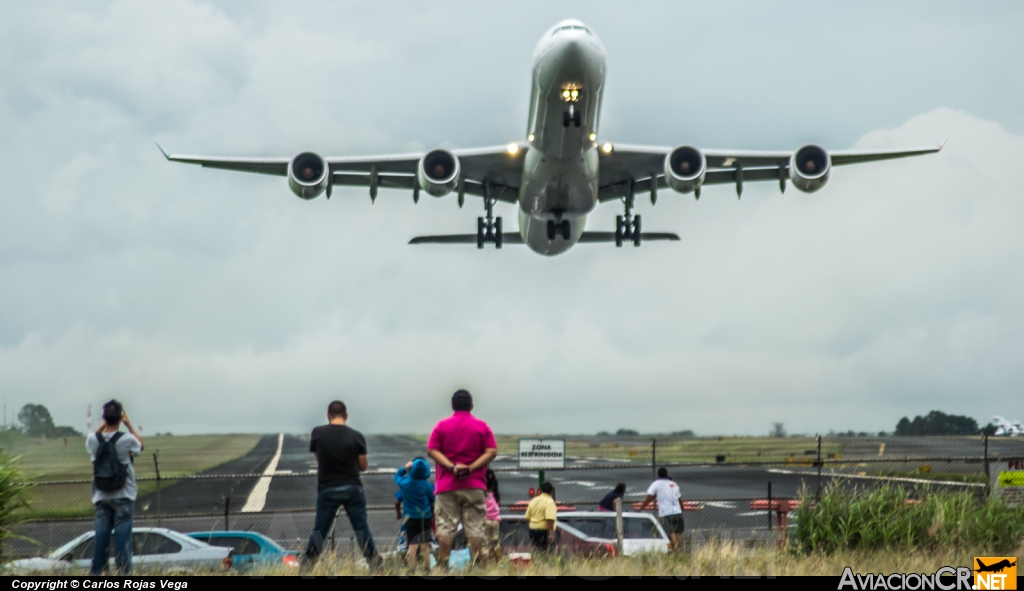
{"points": [[560, 172]]}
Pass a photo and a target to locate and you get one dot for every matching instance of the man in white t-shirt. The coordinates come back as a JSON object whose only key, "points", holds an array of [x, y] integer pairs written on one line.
{"points": [[115, 509], [670, 505]]}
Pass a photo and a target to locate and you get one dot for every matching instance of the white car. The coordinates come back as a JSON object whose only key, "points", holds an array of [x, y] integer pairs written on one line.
{"points": [[152, 548], [641, 532]]}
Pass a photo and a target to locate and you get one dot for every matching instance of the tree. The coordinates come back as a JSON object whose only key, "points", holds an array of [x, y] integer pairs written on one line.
{"points": [[937, 423], [37, 422], [627, 432]]}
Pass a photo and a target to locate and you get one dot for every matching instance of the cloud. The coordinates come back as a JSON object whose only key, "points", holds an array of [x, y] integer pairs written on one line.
{"points": [[214, 301]]}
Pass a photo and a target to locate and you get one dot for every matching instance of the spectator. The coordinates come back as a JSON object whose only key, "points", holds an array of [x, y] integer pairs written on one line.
{"points": [[492, 519], [340, 453], [418, 507], [608, 502], [670, 505], [113, 487], [463, 446], [542, 514]]}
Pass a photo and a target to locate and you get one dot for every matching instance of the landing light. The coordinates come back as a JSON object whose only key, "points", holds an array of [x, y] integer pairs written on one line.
{"points": [[593, 136], [513, 149], [607, 148], [529, 138]]}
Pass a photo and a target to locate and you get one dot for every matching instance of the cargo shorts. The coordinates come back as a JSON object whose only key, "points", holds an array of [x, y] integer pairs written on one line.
{"points": [[466, 506]]}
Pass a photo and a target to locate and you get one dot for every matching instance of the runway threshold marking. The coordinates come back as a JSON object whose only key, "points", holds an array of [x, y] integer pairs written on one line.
{"points": [[258, 497]]}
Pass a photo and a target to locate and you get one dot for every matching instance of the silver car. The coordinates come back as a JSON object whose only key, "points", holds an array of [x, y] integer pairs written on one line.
{"points": [[641, 531], [153, 548]]}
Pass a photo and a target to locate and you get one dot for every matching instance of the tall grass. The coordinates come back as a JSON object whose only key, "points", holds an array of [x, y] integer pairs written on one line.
{"points": [[13, 496], [887, 518]]}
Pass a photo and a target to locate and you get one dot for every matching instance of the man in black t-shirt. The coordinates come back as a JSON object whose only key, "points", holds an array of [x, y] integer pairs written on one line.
{"points": [[341, 455]]}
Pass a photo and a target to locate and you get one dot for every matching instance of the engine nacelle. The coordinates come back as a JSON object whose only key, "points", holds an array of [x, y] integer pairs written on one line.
{"points": [[308, 175], [438, 172], [685, 168], [809, 168]]}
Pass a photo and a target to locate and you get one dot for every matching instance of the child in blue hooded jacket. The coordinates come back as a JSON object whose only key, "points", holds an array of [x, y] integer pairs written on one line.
{"points": [[417, 495]]}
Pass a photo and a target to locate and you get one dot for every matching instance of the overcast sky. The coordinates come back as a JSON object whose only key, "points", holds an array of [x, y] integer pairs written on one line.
{"points": [[217, 301]]}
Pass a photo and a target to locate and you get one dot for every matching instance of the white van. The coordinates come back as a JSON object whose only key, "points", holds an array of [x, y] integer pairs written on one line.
{"points": [[641, 532]]}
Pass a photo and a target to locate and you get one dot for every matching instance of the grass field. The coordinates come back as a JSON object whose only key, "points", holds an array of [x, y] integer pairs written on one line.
{"points": [[48, 460], [726, 560]]}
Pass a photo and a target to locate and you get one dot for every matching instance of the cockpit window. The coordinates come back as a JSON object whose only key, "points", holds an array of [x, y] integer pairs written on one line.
{"points": [[571, 28]]}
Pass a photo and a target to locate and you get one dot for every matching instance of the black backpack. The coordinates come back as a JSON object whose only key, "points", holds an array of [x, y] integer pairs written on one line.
{"points": [[108, 473]]}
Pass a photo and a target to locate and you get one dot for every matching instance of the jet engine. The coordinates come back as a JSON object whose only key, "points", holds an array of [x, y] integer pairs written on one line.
{"points": [[438, 172], [308, 175], [809, 168], [685, 168]]}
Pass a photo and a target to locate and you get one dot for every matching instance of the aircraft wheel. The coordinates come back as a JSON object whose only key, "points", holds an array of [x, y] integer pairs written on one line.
{"points": [[636, 231], [618, 230], [479, 232], [551, 229], [577, 118], [566, 119], [497, 233], [566, 229]]}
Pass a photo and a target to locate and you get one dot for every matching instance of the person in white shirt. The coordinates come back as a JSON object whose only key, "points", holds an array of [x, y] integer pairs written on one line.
{"points": [[115, 509], [670, 505]]}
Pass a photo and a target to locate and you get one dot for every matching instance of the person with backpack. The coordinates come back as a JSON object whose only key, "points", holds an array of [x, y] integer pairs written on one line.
{"points": [[113, 487]]}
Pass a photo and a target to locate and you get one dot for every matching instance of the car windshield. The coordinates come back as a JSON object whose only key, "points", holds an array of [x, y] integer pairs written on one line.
{"points": [[596, 526]]}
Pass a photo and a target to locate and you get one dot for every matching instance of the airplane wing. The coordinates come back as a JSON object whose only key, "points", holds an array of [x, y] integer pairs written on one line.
{"points": [[497, 166], [645, 165]]}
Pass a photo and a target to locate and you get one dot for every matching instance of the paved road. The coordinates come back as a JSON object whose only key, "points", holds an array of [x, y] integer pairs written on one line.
{"points": [[724, 491]]}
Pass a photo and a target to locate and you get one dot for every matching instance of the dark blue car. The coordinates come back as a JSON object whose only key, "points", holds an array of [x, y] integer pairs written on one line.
{"points": [[250, 548]]}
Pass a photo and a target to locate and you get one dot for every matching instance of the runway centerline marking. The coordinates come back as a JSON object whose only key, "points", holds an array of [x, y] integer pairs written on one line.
{"points": [[258, 497]]}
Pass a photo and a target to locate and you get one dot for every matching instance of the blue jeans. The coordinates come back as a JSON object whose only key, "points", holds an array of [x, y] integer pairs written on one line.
{"points": [[327, 502], [116, 515]]}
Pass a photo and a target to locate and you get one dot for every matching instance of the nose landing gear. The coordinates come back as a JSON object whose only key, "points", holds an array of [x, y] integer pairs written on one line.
{"points": [[488, 228], [559, 228], [572, 117], [627, 226]]}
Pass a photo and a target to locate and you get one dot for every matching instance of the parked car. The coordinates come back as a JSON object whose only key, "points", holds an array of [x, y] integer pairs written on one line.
{"points": [[249, 548], [641, 532], [152, 548], [514, 538]]}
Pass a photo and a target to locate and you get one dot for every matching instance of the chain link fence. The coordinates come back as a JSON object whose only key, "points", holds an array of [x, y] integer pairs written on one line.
{"points": [[725, 483]]}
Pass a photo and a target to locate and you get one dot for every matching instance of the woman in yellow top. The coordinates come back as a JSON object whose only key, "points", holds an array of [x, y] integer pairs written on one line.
{"points": [[542, 513]]}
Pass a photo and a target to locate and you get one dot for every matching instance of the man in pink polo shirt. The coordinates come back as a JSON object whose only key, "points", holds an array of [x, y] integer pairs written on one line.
{"points": [[463, 446]]}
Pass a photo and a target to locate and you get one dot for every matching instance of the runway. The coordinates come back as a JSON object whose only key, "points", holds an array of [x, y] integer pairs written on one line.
{"points": [[723, 491], [284, 508]]}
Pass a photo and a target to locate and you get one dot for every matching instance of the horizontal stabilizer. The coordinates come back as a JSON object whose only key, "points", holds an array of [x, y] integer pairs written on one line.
{"points": [[513, 238]]}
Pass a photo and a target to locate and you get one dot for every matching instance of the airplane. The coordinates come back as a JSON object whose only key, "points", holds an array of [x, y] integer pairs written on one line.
{"points": [[1005, 427], [561, 172], [995, 567]]}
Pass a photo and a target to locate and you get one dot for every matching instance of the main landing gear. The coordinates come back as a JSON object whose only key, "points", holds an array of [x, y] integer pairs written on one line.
{"points": [[572, 117], [488, 229], [627, 226]]}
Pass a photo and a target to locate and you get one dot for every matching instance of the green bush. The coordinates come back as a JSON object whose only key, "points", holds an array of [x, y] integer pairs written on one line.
{"points": [[13, 496], [887, 518]]}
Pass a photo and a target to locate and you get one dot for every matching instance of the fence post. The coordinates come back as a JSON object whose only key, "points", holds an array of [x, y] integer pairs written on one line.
{"points": [[817, 495], [227, 509], [769, 505], [988, 476], [159, 510], [654, 458], [618, 526]]}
